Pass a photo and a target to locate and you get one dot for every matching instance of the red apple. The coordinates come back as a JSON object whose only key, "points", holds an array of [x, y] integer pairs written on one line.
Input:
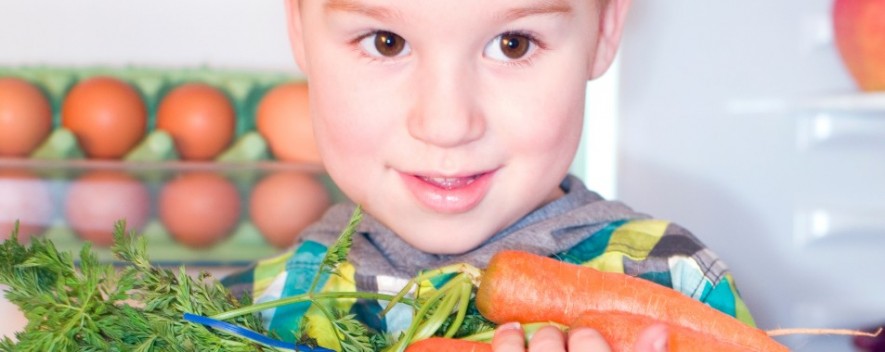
{"points": [[860, 36]]}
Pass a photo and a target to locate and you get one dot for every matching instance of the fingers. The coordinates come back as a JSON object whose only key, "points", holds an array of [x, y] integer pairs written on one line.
{"points": [[586, 340], [508, 338], [511, 338], [548, 338], [652, 339]]}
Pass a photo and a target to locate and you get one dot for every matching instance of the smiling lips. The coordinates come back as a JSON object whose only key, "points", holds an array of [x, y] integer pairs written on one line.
{"points": [[449, 183], [449, 194]]}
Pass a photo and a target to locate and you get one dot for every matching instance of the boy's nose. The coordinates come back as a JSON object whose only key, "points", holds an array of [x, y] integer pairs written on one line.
{"points": [[446, 112]]}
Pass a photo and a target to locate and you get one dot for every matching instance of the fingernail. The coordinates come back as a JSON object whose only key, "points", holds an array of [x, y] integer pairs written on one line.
{"points": [[661, 344], [510, 326], [584, 333]]}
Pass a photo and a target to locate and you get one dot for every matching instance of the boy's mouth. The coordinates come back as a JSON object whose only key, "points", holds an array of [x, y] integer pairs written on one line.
{"points": [[449, 183], [449, 194]]}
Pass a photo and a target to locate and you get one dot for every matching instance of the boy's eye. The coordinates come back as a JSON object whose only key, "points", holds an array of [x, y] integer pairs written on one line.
{"points": [[386, 44], [509, 47]]}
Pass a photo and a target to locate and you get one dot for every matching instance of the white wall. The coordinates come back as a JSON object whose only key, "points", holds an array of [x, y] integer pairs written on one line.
{"points": [[219, 33]]}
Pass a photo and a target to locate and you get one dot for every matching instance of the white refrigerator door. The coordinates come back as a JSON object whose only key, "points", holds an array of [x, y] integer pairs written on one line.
{"points": [[739, 121]]}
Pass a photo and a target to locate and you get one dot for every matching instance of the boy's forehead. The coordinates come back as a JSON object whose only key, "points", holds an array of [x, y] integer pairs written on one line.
{"points": [[510, 9]]}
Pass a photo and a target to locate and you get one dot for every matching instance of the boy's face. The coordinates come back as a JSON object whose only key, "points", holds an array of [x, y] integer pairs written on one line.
{"points": [[449, 120]]}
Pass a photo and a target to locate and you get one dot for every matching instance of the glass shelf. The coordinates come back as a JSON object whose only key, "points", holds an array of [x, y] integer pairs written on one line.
{"points": [[861, 102]]}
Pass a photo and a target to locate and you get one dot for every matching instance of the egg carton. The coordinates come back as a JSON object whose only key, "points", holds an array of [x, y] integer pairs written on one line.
{"points": [[53, 173], [244, 89]]}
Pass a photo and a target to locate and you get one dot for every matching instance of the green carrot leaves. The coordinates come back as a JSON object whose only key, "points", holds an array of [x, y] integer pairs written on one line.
{"points": [[353, 334], [87, 305], [337, 253]]}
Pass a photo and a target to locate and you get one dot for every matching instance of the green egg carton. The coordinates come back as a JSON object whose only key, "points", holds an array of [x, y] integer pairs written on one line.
{"points": [[244, 89], [59, 161], [244, 243]]}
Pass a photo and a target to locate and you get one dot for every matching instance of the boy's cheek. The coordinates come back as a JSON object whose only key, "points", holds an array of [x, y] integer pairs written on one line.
{"points": [[539, 114]]}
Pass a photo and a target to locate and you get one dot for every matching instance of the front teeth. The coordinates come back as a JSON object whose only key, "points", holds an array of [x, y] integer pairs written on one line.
{"points": [[449, 183]]}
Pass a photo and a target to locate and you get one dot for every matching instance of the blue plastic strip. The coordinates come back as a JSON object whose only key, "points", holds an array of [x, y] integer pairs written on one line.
{"points": [[249, 334]]}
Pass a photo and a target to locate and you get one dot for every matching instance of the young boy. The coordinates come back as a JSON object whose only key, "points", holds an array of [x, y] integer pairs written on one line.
{"points": [[453, 124]]}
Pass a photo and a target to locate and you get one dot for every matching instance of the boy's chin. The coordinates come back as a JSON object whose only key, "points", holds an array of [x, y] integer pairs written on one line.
{"points": [[446, 243]]}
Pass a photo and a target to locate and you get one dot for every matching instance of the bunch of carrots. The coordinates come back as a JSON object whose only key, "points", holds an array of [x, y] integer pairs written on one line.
{"points": [[515, 287], [617, 305]]}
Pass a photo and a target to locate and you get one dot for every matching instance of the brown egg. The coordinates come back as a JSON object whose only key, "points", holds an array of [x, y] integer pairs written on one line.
{"points": [[107, 115], [283, 118], [98, 199], [25, 198], [199, 209], [284, 203], [25, 117], [200, 118]]}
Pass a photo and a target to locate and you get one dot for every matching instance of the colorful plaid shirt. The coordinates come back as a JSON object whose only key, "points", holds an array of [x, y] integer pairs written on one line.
{"points": [[640, 246]]}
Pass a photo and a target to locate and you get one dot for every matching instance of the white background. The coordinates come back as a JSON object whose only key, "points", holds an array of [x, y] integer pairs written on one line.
{"points": [[219, 33], [709, 130], [722, 129]]}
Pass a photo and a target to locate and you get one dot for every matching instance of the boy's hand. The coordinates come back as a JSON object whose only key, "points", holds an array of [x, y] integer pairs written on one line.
{"points": [[510, 338]]}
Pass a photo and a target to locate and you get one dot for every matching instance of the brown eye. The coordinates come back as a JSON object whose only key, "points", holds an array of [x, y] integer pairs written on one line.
{"points": [[514, 46], [389, 44]]}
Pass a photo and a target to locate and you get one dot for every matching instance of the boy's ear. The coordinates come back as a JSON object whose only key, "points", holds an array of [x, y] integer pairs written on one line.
{"points": [[611, 23], [296, 34]]}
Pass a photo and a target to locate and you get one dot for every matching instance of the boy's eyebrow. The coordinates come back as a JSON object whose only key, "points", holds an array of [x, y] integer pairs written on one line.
{"points": [[352, 6], [540, 8]]}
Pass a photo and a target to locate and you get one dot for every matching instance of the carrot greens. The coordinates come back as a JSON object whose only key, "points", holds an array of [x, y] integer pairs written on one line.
{"points": [[91, 306], [132, 305], [337, 253]]}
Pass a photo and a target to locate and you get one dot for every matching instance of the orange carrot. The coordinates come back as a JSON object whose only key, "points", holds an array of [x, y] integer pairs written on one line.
{"points": [[620, 330], [441, 344], [524, 287]]}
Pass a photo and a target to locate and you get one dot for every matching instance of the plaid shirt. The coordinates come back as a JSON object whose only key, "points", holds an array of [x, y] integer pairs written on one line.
{"points": [[651, 249]]}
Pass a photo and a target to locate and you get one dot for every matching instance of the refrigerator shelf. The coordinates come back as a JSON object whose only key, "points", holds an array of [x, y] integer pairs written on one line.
{"points": [[860, 102]]}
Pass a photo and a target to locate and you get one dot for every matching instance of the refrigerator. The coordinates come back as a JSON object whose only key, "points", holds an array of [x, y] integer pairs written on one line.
{"points": [[736, 119], [740, 121]]}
